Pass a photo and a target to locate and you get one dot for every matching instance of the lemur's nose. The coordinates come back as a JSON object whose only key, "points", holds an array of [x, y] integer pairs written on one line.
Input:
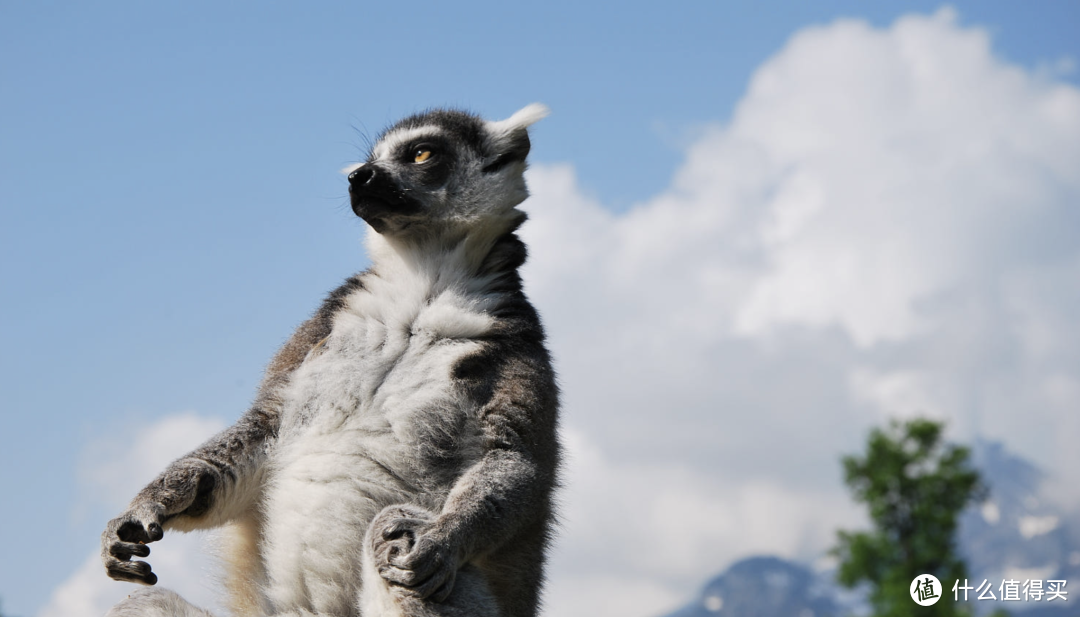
{"points": [[361, 175]]}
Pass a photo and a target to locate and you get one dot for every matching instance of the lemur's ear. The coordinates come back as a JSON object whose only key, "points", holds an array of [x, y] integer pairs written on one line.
{"points": [[522, 119], [508, 140]]}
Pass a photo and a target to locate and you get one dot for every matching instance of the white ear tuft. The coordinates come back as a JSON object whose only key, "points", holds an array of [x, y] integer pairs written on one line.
{"points": [[528, 115], [522, 119]]}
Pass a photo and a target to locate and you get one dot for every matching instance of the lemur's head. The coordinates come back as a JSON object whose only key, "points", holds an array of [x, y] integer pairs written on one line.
{"points": [[443, 169]]}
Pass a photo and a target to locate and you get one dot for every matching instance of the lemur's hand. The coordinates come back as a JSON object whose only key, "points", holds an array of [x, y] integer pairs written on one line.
{"points": [[127, 536], [184, 489], [411, 555]]}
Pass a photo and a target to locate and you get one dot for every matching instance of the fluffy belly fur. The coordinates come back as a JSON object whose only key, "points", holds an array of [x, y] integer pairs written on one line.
{"points": [[370, 419]]}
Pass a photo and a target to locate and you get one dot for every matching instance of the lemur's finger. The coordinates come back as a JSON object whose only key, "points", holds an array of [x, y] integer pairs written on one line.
{"points": [[432, 584], [400, 527], [126, 550], [424, 559], [132, 531], [131, 571], [397, 576], [137, 531]]}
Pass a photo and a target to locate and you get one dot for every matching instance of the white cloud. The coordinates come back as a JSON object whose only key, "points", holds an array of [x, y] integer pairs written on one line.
{"points": [[899, 393], [639, 538], [113, 471], [608, 594], [887, 227], [1031, 526]]}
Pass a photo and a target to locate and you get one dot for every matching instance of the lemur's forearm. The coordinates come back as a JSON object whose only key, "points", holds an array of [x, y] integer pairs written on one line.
{"points": [[216, 482], [493, 501], [510, 487]]}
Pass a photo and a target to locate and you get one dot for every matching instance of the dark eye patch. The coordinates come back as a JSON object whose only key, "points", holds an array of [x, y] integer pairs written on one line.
{"points": [[438, 147], [435, 167], [422, 153]]}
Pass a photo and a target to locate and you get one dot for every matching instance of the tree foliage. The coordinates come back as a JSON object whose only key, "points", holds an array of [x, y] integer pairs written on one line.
{"points": [[915, 486]]}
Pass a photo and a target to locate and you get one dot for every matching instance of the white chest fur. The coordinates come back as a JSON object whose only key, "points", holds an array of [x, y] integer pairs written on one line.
{"points": [[363, 420]]}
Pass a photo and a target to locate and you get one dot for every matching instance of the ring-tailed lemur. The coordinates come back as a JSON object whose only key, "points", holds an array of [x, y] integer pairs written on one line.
{"points": [[400, 456]]}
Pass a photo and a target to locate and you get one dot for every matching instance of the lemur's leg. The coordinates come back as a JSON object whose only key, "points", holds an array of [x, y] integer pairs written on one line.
{"points": [[153, 602]]}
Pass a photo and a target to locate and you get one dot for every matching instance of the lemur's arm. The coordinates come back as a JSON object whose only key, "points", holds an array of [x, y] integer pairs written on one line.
{"points": [[510, 487], [212, 484], [505, 492]]}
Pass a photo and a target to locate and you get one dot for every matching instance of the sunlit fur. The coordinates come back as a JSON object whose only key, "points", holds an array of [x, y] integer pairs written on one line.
{"points": [[421, 391]]}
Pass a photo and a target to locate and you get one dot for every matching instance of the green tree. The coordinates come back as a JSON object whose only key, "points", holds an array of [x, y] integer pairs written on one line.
{"points": [[915, 486]]}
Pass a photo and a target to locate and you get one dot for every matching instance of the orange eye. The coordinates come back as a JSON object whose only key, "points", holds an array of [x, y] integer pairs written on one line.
{"points": [[421, 155]]}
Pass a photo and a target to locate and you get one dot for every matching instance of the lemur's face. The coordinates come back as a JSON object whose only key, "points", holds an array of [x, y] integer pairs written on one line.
{"points": [[442, 168]]}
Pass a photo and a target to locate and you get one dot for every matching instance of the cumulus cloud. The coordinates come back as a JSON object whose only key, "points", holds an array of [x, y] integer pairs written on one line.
{"points": [[636, 534], [886, 227], [113, 470]]}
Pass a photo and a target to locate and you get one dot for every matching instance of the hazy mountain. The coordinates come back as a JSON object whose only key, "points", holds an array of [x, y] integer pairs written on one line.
{"points": [[764, 587], [1016, 534]]}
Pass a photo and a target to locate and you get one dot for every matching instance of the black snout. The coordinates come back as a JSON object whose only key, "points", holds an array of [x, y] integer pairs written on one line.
{"points": [[361, 176], [378, 199]]}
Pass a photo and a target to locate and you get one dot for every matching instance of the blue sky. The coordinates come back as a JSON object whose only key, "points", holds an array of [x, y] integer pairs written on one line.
{"points": [[172, 207]]}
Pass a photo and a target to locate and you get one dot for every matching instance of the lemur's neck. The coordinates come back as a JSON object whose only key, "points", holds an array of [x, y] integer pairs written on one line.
{"points": [[468, 257]]}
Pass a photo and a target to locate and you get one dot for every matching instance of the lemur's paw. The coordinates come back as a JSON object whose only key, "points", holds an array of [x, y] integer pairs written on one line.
{"points": [[411, 555], [127, 536]]}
